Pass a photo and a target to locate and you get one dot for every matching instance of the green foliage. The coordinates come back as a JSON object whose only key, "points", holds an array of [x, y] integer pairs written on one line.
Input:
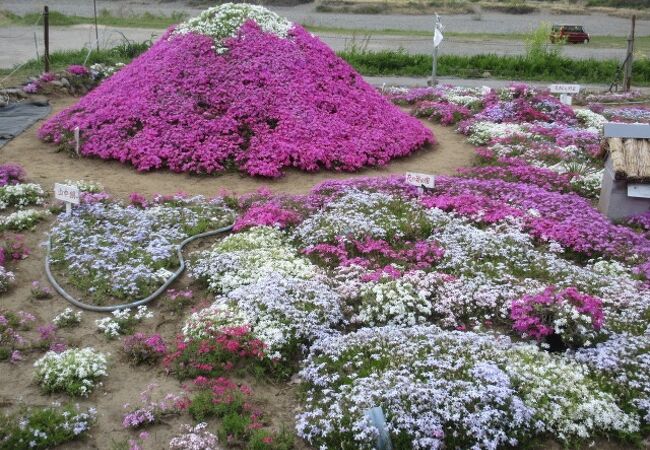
{"points": [[265, 440], [541, 68], [538, 46], [233, 425], [203, 406], [41, 428]]}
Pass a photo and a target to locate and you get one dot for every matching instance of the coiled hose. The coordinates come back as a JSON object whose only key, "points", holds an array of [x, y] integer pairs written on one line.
{"points": [[136, 303]]}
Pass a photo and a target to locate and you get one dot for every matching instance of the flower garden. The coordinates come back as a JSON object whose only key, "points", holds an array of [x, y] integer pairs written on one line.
{"points": [[499, 309]]}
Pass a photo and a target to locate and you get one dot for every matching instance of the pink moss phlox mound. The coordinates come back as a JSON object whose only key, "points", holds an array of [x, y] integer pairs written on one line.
{"points": [[266, 104]]}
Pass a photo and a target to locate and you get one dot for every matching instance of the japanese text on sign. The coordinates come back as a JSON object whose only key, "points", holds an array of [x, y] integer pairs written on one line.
{"points": [[564, 88], [66, 193], [420, 180]]}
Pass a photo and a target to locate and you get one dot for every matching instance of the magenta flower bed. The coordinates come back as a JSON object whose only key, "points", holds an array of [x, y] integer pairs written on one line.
{"points": [[266, 104]]}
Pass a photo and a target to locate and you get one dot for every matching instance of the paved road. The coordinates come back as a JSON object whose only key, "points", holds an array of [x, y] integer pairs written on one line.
{"points": [[490, 22], [18, 46]]}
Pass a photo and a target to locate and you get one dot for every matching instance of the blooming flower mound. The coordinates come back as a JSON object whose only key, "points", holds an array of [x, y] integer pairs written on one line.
{"points": [[238, 88]]}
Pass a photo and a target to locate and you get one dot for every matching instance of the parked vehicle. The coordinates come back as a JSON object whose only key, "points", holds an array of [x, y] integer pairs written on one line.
{"points": [[572, 34]]}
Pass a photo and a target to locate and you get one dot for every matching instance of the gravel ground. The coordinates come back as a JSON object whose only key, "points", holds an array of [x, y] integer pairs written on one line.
{"points": [[17, 43], [490, 22]]}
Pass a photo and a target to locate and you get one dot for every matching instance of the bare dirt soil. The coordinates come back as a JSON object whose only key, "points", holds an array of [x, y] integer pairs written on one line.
{"points": [[124, 382]]}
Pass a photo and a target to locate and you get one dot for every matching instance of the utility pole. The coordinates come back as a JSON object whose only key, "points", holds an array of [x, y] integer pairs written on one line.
{"points": [[96, 30], [629, 59], [46, 38]]}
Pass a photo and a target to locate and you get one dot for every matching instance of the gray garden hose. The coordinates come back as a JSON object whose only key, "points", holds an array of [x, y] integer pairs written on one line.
{"points": [[143, 301]]}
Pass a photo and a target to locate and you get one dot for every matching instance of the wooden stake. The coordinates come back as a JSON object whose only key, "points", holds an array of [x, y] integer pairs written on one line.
{"points": [[629, 59], [46, 38]]}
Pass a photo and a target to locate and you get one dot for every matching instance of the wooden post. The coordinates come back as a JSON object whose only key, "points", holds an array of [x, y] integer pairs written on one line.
{"points": [[96, 30], [46, 38], [629, 59]]}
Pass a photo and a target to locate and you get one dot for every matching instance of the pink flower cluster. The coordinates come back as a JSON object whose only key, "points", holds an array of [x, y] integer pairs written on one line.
{"points": [[267, 214], [13, 248], [565, 218], [537, 315], [267, 104], [78, 70], [11, 174], [517, 170], [442, 112], [141, 348], [377, 254]]}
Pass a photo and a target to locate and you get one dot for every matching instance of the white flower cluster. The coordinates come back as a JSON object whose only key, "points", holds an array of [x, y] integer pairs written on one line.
{"points": [[244, 258], [122, 321], [21, 195], [224, 21], [67, 318], [203, 323], [85, 185], [74, 371], [404, 301], [22, 220], [359, 214], [463, 99], [590, 119], [98, 70], [482, 133], [7, 278]]}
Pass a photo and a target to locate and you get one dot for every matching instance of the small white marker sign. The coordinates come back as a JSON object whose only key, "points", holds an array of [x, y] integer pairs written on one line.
{"points": [[564, 88], [420, 180], [68, 194], [566, 99], [638, 190]]}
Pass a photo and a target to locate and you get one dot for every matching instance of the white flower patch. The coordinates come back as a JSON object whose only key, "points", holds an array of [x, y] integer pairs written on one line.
{"points": [[358, 214], [404, 301], [7, 278], [283, 312], [437, 388], [22, 220], [74, 371], [67, 318], [122, 321], [482, 133], [21, 195], [245, 257], [224, 21], [590, 119], [92, 187]]}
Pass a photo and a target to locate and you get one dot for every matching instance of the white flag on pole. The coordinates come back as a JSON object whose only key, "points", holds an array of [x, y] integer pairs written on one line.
{"points": [[437, 38]]}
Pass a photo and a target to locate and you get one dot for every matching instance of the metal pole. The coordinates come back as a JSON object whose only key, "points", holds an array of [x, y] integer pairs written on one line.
{"points": [[46, 38], [96, 30], [434, 65], [629, 59]]}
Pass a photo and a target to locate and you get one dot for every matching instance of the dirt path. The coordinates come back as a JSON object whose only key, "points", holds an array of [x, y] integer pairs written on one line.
{"points": [[46, 166]]}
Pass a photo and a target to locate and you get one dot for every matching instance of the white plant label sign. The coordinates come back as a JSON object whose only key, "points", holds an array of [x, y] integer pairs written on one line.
{"points": [[638, 190], [420, 180], [68, 194], [566, 99], [564, 88]]}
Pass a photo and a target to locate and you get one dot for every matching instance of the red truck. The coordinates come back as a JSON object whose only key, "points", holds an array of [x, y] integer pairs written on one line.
{"points": [[572, 34]]}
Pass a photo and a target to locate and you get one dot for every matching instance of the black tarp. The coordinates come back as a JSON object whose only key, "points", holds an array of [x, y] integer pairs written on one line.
{"points": [[17, 117]]}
